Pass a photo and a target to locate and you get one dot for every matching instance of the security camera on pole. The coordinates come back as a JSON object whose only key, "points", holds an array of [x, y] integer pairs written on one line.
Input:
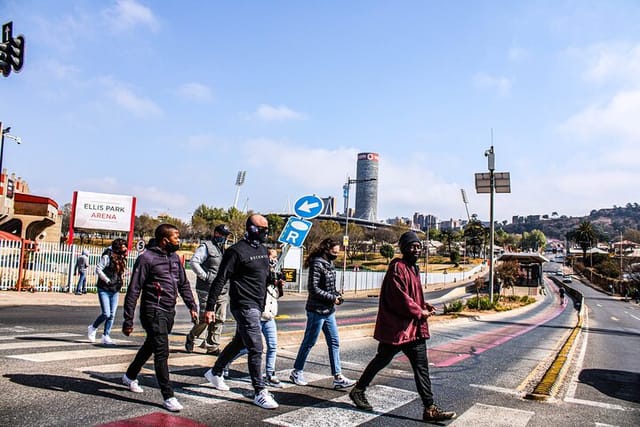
{"points": [[492, 182]]}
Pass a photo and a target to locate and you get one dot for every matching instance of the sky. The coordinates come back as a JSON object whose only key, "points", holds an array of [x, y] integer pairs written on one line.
{"points": [[166, 101]]}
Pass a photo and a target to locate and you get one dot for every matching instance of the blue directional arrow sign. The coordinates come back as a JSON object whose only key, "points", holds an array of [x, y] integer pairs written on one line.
{"points": [[308, 207], [295, 231]]}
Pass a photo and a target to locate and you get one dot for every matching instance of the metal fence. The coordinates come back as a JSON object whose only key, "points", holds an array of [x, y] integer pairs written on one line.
{"points": [[355, 281], [49, 266]]}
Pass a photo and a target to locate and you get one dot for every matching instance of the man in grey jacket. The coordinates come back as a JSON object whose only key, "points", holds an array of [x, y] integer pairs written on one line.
{"points": [[205, 263], [82, 264]]}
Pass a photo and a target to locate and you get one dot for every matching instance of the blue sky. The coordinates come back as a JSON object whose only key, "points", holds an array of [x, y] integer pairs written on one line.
{"points": [[168, 100]]}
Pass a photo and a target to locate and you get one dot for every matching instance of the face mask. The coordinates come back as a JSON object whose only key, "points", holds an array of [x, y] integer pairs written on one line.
{"points": [[171, 248], [219, 240], [331, 257], [260, 235]]}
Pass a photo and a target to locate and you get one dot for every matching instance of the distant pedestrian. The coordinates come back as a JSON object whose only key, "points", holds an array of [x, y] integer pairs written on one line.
{"points": [[562, 292], [246, 266], [82, 264], [158, 277], [205, 263], [402, 325], [322, 299], [110, 270]]}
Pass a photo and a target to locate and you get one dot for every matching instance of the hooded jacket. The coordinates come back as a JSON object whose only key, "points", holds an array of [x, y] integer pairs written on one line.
{"points": [[321, 286], [108, 278], [205, 263], [400, 318], [82, 263], [159, 276]]}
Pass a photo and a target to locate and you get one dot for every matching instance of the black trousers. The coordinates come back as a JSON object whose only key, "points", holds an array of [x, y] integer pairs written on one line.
{"points": [[248, 334], [158, 325], [416, 352]]}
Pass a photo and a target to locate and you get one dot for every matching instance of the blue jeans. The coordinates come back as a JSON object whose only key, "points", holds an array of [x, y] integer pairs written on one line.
{"points": [[108, 305], [315, 323], [270, 333], [82, 283]]}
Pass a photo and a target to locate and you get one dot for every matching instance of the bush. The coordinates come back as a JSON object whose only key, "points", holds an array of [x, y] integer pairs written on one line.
{"points": [[480, 304], [455, 307], [526, 299]]}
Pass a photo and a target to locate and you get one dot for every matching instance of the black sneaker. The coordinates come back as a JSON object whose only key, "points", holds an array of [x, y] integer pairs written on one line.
{"points": [[188, 345], [358, 397], [273, 381], [433, 413]]}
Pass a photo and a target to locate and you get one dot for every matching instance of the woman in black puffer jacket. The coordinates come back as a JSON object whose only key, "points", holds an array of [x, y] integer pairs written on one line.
{"points": [[321, 302]]}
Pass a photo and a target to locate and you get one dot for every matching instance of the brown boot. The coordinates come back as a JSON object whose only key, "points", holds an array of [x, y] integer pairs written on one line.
{"points": [[433, 413]]}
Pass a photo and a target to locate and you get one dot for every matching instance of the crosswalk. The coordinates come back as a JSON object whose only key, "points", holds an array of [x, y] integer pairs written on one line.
{"points": [[109, 363]]}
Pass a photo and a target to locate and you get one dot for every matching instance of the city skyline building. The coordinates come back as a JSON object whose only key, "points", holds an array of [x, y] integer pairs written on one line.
{"points": [[367, 186]]}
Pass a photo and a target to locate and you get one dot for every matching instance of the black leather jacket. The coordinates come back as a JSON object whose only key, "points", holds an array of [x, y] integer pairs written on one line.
{"points": [[321, 286]]}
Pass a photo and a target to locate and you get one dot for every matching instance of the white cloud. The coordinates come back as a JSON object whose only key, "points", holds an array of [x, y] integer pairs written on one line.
{"points": [[282, 113], [499, 83], [517, 54], [615, 120], [129, 101], [611, 63], [200, 141], [127, 14], [195, 92]]}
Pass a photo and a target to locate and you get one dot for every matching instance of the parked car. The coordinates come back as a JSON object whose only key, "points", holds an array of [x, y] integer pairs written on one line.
{"points": [[559, 273], [566, 278]]}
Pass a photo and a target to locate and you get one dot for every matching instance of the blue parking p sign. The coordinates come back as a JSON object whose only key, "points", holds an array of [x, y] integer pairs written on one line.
{"points": [[295, 231]]}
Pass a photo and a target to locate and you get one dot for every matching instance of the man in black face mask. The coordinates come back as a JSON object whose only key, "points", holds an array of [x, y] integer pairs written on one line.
{"points": [[205, 263], [246, 266], [402, 325], [159, 276]]}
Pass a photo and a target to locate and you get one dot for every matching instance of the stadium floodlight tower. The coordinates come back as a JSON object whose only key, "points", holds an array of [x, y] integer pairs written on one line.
{"points": [[239, 182]]}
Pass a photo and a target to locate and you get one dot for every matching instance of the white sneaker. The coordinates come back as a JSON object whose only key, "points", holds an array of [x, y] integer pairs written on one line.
{"points": [[172, 405], [132, 384], [297, 377], [265, 400], [106, 340], [217, 382], [340, 381], [91, 333]]}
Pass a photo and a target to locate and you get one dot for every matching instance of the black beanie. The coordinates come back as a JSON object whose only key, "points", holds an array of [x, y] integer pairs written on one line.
{"points": [[408, 238]]}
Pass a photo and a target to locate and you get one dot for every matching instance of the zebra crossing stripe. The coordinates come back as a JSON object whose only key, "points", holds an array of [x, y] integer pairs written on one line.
{"points": [[240, 387], [341, 412], [56, 356], [37, 344], [52, 335], [17, 342], [480, 415]]}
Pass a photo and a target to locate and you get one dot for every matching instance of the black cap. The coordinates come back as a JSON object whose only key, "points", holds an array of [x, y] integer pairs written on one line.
{"points": [[222, 229]]}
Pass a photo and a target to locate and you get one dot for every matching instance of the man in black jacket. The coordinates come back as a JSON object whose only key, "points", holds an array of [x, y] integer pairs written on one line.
{"points": [[246, 266], [159, 276]]}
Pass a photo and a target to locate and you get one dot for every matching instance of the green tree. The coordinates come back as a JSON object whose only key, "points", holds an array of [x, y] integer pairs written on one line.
{"points": [[585, 236], [475, 235], [533, 241], [276, 224], [508, 273], [145, 225], [387, 251], [66, 219]]}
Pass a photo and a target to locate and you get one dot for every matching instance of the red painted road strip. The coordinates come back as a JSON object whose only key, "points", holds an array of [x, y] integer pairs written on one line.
{"points": [[462, 349], [156, 419]]}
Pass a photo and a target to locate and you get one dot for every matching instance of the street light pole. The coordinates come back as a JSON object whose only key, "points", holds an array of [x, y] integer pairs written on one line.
{"points": [[3, 133], [491, 165]]}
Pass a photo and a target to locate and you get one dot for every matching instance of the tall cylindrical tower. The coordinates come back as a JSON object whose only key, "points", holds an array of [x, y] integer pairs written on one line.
{"points": [[367, 189]]}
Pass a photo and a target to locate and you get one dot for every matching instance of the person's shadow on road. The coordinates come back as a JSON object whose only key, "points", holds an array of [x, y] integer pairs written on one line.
{"points": [[623, 385], [70, 384]]}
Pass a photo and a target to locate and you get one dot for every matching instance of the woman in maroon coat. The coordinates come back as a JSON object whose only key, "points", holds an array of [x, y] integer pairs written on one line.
{"points": [[402, 326]]}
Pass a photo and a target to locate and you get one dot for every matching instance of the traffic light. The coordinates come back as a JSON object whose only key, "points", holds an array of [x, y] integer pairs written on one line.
{"points": [[11, 50], [5, 59]]}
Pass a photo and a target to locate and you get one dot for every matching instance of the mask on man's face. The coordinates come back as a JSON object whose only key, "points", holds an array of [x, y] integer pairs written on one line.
{"points": [[171, 247], [219, 240], [257, 234]]}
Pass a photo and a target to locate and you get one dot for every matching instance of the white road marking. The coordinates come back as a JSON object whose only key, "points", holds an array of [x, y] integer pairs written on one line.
{"points": [[637, 318], [341, 412], [599, 404], [573, 385], [615, 319], [53, 335], [480, 415], [502, 390], [37, 344], [56, 356]]}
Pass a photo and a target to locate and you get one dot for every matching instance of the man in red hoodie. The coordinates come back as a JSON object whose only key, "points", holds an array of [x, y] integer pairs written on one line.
{"points": [[402, 325]]}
